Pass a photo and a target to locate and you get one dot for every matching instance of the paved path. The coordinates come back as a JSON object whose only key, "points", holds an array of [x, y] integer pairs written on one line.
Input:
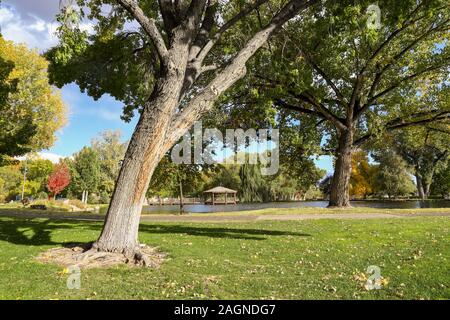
{"points": [[223, 218]]}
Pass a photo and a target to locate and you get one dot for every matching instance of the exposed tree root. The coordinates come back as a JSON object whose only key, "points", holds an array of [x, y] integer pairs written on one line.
{"points": [[87, 256]]}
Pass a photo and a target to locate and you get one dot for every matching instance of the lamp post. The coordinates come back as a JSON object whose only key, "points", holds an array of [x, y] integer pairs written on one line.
{"points": [[25, 170]]}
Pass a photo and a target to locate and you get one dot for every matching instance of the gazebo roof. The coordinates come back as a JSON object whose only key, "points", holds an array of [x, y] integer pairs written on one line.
{"points": [[220, 190]]}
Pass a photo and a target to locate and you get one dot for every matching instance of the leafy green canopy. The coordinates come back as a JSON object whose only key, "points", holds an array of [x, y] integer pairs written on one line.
{"points": [[331, 67], [426, 149], [117, 57]]}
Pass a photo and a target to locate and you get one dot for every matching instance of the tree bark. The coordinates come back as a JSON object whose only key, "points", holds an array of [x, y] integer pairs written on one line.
{"points": [[339, 195], [420, 188]]}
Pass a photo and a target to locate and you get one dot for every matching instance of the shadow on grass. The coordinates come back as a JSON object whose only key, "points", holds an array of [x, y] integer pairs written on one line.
{"points": [[213, 232], [29, 232], [39, 232]]}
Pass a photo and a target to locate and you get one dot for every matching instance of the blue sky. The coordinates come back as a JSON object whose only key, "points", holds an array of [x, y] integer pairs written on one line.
{"points": [[33, 23], [87, 118]]}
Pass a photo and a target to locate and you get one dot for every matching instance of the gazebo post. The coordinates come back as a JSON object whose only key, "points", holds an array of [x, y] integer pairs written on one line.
{"points": [[213, 198], [226, 198], [235, 198]]}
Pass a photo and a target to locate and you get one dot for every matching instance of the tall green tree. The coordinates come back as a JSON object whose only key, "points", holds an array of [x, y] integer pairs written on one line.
{"points": [[392, 177], [356, 78], [171, 68], [38, 171]]}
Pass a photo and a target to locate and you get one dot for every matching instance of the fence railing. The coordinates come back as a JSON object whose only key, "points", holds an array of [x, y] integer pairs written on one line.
{"points": [[173, 201]]}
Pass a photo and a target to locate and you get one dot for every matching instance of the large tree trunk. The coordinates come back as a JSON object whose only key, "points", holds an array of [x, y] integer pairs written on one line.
{"points": [[420, 187], [146, 147], [339, 195]]}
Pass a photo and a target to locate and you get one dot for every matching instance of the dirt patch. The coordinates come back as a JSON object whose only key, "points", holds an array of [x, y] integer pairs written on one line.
{"points": [[86, 258]]}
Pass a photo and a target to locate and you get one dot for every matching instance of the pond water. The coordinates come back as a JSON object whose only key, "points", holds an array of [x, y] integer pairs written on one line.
{"points": [[201, 208]]}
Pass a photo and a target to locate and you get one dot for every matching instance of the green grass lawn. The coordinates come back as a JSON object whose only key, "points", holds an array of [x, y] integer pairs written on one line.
{"points": [[260, 260], [315, 210]]}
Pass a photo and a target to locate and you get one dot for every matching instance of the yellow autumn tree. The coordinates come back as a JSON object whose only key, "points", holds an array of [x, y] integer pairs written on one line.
{"points": [[33, 110], [363, 176]]}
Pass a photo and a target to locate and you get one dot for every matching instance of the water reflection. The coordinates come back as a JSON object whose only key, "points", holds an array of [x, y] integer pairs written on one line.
{"points": [[201, 208]]}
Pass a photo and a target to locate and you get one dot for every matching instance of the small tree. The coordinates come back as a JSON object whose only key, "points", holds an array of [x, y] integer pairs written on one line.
{"points": [[59, 179], [85, 171]]}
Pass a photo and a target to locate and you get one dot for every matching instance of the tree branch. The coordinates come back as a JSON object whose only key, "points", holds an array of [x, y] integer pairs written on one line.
{"points": [[379, 74], [398, 83], [400, 123], [168, 15], [229, 24], [327, 79], [340, 125], [205, 30], [395, 33], [148, 25], [283, 104]]}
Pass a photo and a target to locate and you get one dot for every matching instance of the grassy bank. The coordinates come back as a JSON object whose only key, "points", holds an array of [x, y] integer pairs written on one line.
{"points": [[271, 260], [270, 211], [315, 210]]}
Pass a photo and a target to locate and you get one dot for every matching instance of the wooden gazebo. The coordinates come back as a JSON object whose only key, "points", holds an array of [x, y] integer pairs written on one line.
{"points": [[217, 191]]}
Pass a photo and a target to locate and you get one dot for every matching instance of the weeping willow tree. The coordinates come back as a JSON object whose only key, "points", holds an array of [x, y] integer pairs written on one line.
{"points": [[252, 184]]}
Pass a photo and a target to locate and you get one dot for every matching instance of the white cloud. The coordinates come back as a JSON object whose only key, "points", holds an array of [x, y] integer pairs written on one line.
{"points": [[5, 15], [53, 157], [50, 156], [33, 31]]}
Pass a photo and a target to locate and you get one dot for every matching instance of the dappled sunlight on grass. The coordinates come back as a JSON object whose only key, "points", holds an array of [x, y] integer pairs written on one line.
{"points": [[272, 259]]}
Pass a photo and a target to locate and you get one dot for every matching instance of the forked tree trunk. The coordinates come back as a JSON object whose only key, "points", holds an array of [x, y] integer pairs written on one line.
{"points": [[339, 195]]}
